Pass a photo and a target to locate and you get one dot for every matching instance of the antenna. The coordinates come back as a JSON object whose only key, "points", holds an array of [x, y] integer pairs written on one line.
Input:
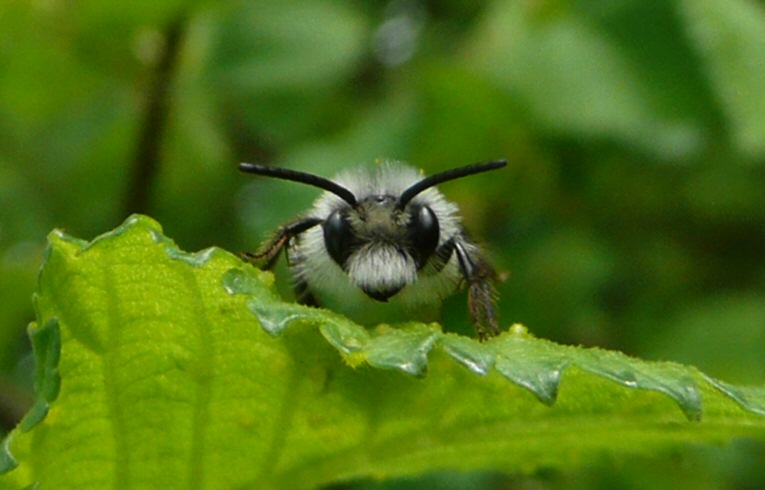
{"points": [[440, 178], [302, 177]]}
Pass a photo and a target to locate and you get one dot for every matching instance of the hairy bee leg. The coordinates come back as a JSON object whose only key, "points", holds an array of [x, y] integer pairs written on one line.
{"points": [[270, 251], [443, 255], [481, 305], [479, 275]]}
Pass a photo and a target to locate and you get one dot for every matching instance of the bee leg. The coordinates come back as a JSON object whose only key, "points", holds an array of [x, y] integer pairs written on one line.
{"points": [[479, 276], [269, 253]]}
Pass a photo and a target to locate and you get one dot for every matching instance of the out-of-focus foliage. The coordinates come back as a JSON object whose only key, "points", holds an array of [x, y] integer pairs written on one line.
{"points": [[631, 216]]}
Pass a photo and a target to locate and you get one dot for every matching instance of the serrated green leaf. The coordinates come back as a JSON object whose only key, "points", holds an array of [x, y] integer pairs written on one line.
{"points": [[187, 370]]}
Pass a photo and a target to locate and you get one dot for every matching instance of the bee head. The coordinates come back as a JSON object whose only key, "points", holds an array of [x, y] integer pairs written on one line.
{"points": [[381, 241], [380, 245]]}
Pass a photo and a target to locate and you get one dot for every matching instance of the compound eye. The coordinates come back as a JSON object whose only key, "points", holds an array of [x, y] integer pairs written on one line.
{"points": [[338, 237], [423, 232]]}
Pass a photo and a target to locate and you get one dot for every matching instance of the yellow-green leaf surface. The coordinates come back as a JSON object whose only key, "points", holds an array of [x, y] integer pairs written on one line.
{"points": [[162, 369]]}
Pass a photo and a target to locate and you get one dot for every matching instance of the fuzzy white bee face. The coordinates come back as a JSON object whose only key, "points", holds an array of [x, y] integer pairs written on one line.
{"points": [[380, 246]]}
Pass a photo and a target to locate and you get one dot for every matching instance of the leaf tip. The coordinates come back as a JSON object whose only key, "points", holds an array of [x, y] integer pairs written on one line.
{"points": [[7, 461], [519, 330], [469, 352], [405, 348], [355, 359], [248, 281], [46, 345]]}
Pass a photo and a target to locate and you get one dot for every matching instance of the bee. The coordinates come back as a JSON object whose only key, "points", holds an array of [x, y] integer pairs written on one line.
{"points": [[382, 238]]}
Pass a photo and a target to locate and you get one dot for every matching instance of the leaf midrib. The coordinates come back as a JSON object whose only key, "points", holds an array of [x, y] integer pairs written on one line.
{"points": [[122, 460], [204, 378]]}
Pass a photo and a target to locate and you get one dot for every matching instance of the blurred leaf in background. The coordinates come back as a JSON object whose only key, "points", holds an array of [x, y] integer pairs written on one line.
{"points": [[631, 216]]}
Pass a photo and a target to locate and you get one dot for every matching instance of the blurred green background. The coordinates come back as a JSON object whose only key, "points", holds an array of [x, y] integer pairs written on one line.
{"points": [[631, 216]]}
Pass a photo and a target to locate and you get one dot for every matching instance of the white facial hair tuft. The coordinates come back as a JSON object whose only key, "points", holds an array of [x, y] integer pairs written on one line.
{"points": [[381, 267]]}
